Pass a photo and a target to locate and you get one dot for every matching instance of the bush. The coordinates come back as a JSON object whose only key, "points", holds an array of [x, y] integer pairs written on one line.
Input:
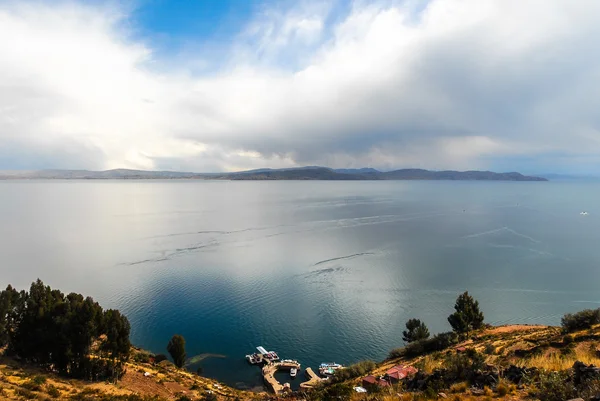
{"points": [[31, 385], [502, 389], [490, 349], [337, 392], [142, 357], [555, 386], [358, 369], [461, 366], [438, 342], [53, 391], [581, 320], [23, 392], [158, 358], [40, 379], [459, 387]]}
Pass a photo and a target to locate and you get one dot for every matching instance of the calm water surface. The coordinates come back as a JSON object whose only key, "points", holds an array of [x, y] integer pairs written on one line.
{"points": [[318, 271]]}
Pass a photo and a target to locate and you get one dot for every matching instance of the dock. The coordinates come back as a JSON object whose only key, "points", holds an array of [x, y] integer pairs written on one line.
{"points": [[313, 379], [268, 372]]}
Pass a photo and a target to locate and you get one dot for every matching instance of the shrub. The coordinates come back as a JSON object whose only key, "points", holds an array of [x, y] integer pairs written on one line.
{"points": [[568, 339], [502, 389], [53, 391], [555, 386], [461, 366], [23, 392], [158, 358], [490, 349], [396, 353], [438, 342], [339, 391], [358, 369], [142, 357], [459, 387], [581, 320], [40, 379], [31, 385]]}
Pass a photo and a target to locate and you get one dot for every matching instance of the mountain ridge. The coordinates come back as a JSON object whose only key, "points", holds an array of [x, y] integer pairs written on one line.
{"points": [[295, 173]]}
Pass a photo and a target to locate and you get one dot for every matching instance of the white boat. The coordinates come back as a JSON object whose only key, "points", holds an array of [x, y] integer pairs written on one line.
{"points": [[583, 213], [293, 372], [329, 368]]}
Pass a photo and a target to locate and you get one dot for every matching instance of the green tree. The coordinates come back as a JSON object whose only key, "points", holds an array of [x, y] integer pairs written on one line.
{"points": [[415, 331], [176, 348], [56, 332], [467, 317]]}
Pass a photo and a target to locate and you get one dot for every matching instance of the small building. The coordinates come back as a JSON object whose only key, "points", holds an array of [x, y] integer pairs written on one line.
{"points": [[399, 372], [372, 381], [369, 381]]}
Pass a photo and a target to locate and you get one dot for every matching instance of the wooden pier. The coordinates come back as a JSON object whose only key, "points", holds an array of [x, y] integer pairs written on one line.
{"points": [[313, 379], [268, 372]]}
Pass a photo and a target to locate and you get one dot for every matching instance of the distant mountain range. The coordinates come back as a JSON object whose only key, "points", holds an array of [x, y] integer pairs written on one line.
{"points": [[300, 173]]}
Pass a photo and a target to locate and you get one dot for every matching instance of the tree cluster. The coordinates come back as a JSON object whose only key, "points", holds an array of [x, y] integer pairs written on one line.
{"points": [[582, 320], [70, 335], [466, 318]]}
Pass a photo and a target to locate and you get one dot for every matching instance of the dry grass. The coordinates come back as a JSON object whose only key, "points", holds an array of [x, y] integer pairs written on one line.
{"points": [[555, 360], [459, 387], [17, 382]]}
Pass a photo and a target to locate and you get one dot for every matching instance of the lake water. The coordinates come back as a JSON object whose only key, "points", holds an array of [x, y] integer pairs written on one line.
{"points": [[318, 271]]}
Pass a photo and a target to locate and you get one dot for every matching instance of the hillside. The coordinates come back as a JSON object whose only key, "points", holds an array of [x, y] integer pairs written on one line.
{"points": [[499, 363], [301, 173], [141, 381]]}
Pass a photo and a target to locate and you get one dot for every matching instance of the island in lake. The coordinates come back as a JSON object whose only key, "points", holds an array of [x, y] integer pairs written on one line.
{"points": [[300, 173]]}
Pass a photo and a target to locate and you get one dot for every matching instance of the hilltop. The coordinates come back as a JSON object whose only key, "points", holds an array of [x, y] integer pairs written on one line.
{"points": [[300, 173]]}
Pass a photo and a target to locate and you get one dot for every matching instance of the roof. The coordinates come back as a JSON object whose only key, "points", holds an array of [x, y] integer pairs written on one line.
{"points": [[401, 371], [383, 383], [370, 379]]}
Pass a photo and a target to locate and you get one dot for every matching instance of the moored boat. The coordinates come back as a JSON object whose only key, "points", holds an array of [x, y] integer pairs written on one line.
{"points": [[254, 359], [329, 368], [293, 372]]}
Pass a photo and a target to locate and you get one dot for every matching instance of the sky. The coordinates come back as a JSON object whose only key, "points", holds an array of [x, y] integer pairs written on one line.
{"points": [[225, 85]]}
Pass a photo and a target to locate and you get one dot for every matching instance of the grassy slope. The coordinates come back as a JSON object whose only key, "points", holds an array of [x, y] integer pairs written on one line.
{"points": [[542, 347], [166, 383], [532, 346]]}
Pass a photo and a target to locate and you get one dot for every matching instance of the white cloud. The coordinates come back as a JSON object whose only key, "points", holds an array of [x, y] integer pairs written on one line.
{"points": [[443, 84]]}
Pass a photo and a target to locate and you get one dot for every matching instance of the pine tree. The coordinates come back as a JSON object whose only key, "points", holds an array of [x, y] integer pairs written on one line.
{"points": [[467, 317], [415, 331], [176, 348]]}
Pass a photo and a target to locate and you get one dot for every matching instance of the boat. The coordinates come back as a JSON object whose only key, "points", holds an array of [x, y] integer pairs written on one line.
{"points": [[329, 368], [254, 359], [293, 372], [583, 213], [268, 356]]}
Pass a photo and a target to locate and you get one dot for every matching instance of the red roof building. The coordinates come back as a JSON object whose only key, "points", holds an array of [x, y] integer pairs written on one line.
{"points": [[371, 381], [399, 372]]}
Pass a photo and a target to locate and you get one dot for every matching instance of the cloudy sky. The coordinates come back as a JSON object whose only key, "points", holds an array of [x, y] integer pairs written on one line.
{"points": [[218, 85]]}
